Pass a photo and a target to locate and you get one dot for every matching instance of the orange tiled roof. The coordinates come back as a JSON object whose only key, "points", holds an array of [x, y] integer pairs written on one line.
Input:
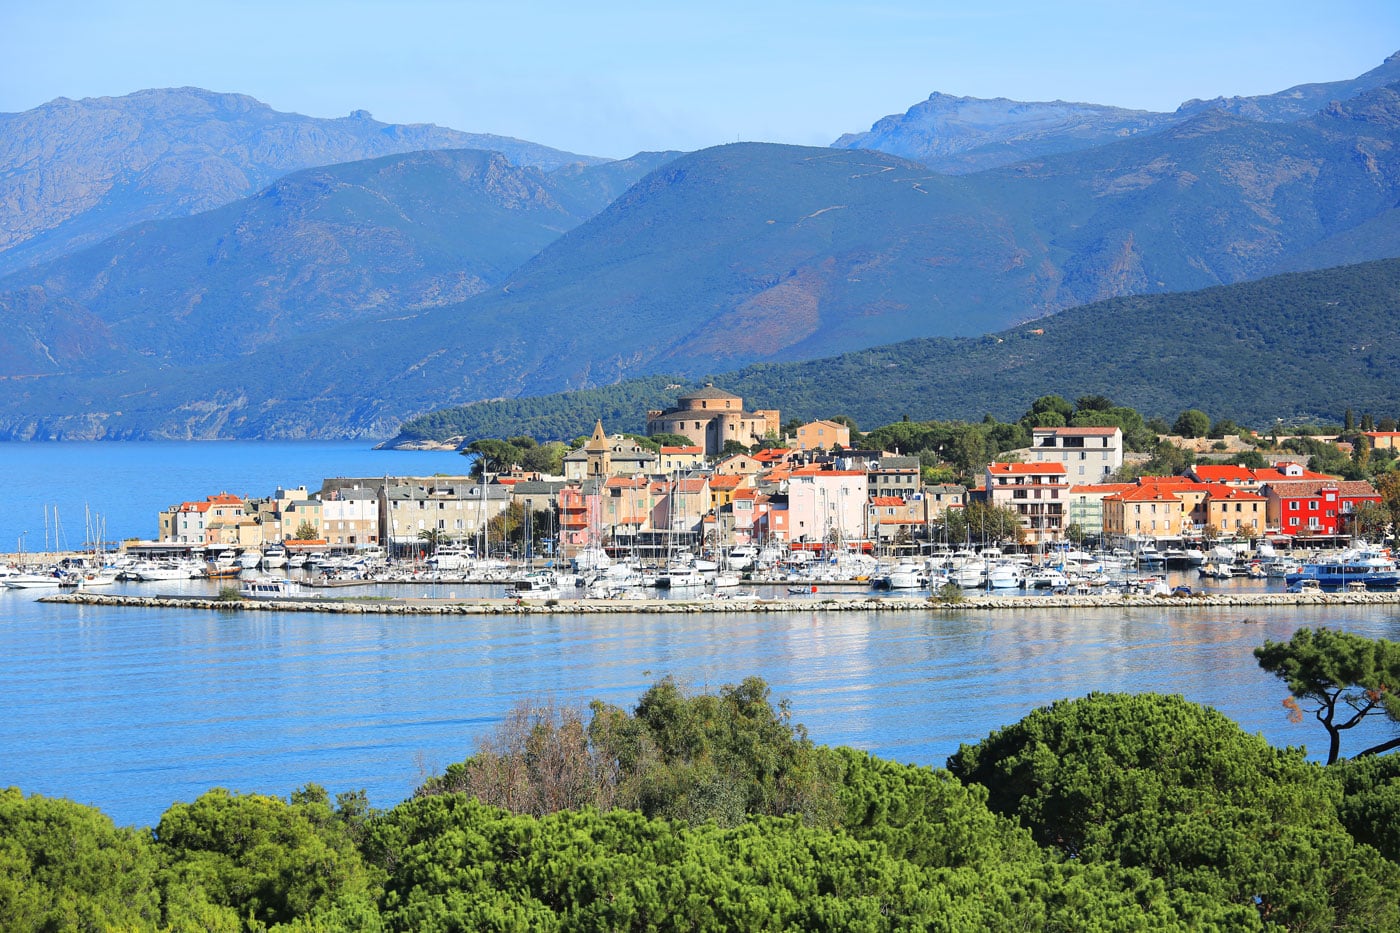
{"points": [[1023, 469], [1076, 432], [682, 450], [886, 500]]}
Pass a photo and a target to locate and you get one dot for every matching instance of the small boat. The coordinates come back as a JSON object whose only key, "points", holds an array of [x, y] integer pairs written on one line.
{"points": [[274, 556], [726, 579], [269, 588]]}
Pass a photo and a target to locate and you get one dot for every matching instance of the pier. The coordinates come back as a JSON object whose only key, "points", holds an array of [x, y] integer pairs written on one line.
{"points": [[851, 603]]}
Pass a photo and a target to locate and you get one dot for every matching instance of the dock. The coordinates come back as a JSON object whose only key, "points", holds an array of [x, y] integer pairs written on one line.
{"points": [[738, 604]]}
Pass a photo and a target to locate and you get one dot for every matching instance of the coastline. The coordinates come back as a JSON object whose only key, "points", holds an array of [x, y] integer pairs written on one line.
{"points": [[510, 606]]}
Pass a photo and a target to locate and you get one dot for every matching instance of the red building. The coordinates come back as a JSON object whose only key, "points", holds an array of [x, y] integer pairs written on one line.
{"points": [[1315, 508]]}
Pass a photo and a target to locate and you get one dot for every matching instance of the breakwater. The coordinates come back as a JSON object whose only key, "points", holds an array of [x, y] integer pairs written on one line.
{"points": [[562, 606]]}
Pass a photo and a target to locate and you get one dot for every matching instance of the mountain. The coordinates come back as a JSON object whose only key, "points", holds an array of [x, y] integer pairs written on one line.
{"points": [[970, 134], [75, 172], [317, 249], [761, 253], [1297, 346]]}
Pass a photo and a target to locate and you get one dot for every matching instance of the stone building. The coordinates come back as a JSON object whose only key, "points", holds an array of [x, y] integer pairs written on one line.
{"points": [[710, 416]]}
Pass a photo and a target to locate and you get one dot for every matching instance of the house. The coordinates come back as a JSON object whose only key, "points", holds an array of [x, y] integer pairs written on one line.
{"points": [[1085, 505], [710, 417], [580, 516], [895, 476], [1236, 512], [680, 459], [724, 485], [738, 465], [1315, 508], [821, 435], [350, 517], [1144, 511], [1089, 455], [1037, 492], [1303, 508], [456, 507], [826, 506]]}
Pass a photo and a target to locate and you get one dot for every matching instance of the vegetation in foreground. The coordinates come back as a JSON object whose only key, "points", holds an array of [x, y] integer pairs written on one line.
{"points": [[717, 812]]}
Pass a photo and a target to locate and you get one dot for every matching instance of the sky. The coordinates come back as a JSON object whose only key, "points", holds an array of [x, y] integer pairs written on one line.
{"points": [[614, 78]]}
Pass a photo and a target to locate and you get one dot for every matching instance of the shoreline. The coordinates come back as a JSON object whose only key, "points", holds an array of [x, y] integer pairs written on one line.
{"points": [[507, 606]]}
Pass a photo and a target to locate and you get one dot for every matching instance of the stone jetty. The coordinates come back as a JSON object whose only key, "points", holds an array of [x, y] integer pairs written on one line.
{"points": [[863, 603]]}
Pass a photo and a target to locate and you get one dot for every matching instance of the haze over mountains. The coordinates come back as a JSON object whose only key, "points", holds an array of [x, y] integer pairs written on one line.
{"points": [[340, 300]]}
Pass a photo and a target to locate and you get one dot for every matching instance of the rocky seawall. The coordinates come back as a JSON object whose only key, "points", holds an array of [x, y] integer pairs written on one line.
{"points": [[672, 606]]}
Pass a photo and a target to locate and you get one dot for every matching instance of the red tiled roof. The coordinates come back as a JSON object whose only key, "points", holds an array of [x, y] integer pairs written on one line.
{"points": [[682, 450], [886, 500], [1222, 472], [1150, 493], [728, 481], [1076, 432], [1023, 469], [1230, 492]]}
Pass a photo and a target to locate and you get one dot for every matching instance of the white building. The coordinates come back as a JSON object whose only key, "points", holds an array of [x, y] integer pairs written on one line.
{"points": [[1037, 492], [1088, 454], [827, 506]]}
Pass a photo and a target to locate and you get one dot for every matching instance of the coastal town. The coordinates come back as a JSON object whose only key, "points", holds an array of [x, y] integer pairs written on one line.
{"points": [[812, 505]]}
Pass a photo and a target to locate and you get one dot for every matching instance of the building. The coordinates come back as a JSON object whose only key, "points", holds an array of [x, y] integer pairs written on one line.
{"points": [[1037, 492], [709, 417], [680, 459], [454, 507], [1089, 455], [1237, 513], [895, 476], [821, 435], [350, 517], [605, 456], [826, 506], [1315, 508], [1085, 506]]}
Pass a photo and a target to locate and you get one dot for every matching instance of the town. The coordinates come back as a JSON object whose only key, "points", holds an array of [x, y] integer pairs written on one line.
{"points": [[712, 481]]}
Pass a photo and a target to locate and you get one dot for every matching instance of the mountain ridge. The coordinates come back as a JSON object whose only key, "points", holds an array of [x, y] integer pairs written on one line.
{"points": [[73, 172], [960, 134]]}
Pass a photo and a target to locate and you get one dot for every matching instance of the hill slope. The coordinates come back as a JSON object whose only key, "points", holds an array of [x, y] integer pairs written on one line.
{"points": [[1304, 345], [319, 248], [759, 253], [73, 172]]}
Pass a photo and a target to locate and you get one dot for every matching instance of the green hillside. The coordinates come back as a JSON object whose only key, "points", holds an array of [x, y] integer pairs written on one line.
{"points": [[1291, 346]]}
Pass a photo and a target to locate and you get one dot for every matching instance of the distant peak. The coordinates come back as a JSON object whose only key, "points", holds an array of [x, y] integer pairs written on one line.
{"points": [[361, 115]]}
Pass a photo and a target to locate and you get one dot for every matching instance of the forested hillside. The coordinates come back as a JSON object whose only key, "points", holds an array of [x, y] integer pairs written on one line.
{"points": [[1298, 346]]}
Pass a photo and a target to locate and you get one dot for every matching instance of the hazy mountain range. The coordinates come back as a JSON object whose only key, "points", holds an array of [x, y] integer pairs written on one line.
{"points": [[341, 299]]}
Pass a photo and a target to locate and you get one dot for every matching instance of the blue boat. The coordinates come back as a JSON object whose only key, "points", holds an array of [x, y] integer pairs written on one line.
{"points": [[1368, 567]]}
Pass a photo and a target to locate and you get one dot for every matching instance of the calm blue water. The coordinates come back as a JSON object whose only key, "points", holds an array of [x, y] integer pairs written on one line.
{"points": [[127, 484], [132, 710]]}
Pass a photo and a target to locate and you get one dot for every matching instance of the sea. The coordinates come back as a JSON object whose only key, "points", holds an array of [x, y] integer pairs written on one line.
{"points": [[132, 710]]}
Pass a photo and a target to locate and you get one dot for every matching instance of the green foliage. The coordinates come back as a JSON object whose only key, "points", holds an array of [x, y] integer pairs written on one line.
{"points": [[1179, 790], [715, 757], [1192, 423], [305, 532], [66, 867], [261, 857], [1340, 677]]}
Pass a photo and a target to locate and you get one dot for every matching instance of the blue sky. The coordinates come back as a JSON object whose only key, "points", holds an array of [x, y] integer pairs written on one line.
{"points": [[614, 78]]}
